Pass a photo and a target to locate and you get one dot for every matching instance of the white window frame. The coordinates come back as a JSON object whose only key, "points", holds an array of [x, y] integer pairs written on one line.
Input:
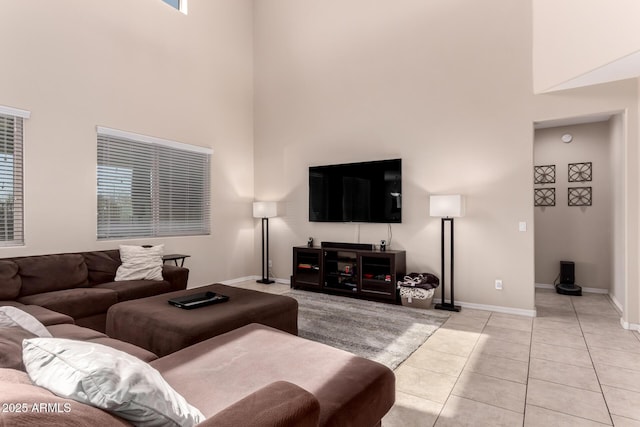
{"points": [[153, 212], [182, 5], [17, 180]]}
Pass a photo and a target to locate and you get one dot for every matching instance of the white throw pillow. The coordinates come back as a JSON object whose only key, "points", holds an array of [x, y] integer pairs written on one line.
{"points": [[107, 378], [12, 316], [140, 263]]}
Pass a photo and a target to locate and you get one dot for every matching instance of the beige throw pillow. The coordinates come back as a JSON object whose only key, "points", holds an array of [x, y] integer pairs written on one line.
{"points": [[109, 379], [139, 263], [12, 316]]}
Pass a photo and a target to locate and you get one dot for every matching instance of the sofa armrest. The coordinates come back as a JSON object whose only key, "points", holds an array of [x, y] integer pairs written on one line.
{"points": [[278, 404], [176, 276]]}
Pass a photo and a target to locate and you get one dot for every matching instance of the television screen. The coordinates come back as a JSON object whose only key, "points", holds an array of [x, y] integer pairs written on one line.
{"points": [[356, 192]]}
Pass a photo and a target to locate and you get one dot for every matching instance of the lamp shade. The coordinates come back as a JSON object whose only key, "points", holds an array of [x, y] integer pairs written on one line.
{"points": [[265, 209], [450, 205]]}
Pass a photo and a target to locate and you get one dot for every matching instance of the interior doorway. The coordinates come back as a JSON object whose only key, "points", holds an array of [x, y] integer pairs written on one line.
{"points": [[579, 202]]}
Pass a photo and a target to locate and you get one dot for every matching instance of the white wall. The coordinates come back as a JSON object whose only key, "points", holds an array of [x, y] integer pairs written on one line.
{"points": [[335, 81], [583, 235], [138, 66], [354, 80], [586, 40], [351, 81]]}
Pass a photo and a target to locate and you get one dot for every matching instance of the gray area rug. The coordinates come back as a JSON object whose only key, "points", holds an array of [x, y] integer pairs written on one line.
{"points": [[382, 332]]}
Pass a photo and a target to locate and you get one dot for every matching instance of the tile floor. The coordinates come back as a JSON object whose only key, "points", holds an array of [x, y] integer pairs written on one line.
{"points": [[573, 365]]}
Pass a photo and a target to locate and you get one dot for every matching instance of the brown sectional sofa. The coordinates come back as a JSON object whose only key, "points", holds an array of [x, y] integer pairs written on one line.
{"points": [[80, 285], [254, 376]]}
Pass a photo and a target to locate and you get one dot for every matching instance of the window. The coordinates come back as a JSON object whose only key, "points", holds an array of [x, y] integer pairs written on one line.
{"points": [[150, 187], [11, 191], [181, 5]]}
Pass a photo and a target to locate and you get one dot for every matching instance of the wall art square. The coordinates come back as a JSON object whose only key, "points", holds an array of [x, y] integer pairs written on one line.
{"points": [[545, 174], [580, 196], [580, 172], [544, 196]]}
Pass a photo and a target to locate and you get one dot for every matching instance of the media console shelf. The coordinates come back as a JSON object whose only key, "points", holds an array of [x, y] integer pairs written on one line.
{"points": [[349, 269]]}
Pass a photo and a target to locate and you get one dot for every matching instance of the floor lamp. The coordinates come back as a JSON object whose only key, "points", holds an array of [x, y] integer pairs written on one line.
{"points": [[265, 210], [446, 207]]}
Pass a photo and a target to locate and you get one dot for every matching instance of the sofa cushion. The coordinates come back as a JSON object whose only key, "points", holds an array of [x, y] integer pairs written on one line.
{"points": [[45, 316], [12, 316], [140, 263], [107, 378], [11, 346], [74, 332], [135, 289], [40, 407], [134, 350], [10, 281], [11, 303], [46, 273], [79, 302], [102, 265]]}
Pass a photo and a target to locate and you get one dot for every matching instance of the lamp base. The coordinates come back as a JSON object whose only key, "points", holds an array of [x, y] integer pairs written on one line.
{"points": [[447, 306], [265, 281]]}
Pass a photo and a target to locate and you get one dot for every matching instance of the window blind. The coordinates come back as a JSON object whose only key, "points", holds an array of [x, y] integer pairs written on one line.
{"points": [[148, 187], [11, 188]]}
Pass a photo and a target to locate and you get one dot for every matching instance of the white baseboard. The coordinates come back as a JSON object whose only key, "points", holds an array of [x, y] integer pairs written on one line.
{"points": [[498, 309], [629, 326], [596, 290], [615, 302], [231, 282], [588, 290]]}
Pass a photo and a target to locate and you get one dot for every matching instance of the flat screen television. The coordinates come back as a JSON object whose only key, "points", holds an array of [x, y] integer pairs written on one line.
{"points": [[356, 192]]}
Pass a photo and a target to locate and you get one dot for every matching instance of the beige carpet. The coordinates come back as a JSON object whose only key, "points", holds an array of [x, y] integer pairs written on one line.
{"points": [[382, 332]]}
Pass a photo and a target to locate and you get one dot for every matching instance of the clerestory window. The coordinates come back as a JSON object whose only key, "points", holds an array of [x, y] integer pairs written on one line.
{"points": [[181, 5]]}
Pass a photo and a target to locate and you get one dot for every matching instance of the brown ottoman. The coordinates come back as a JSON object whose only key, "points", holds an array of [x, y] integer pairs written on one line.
{"points": [[161, 328]]}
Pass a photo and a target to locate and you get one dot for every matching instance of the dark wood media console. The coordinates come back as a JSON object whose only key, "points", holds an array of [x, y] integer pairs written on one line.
{"points": [[349, 269]]}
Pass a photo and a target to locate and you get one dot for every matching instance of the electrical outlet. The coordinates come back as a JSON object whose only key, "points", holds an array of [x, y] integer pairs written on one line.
{"points": [[499, 284], [270, 263]]}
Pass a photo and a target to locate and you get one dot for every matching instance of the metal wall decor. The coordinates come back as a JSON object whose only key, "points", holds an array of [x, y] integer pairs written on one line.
{"points": [[544, 196], [580, 196], [545, 174], [580, 172], [577, 196]]}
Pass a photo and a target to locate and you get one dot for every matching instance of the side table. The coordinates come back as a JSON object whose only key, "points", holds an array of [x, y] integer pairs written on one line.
{"points": [[175, 258]]}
